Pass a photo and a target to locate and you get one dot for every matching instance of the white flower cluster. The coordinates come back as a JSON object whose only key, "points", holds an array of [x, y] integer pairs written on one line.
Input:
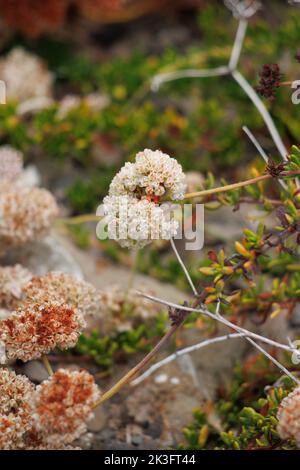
{"points": [[154, 173], [25, 214], [136, 223], [289, 416], [132, 208], [25, 76]]}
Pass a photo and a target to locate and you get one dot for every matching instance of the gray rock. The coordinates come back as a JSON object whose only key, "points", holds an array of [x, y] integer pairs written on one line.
{"points": [[35, 371], [99, 420], [48, 254]]}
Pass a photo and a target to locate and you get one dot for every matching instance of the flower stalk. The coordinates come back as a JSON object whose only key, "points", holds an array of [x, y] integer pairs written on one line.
{"points": [[241, 184], [47, 365]]}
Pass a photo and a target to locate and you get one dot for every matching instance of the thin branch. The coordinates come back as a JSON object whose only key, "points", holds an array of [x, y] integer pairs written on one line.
{"points": [[228, 187], [204, 311], [182, 352], [231, 69], [238, 44], [161, 78], [251, 93], [180, 261], [241, 184], [272, 359], [260, 150], [263, 351], [135, 370]]}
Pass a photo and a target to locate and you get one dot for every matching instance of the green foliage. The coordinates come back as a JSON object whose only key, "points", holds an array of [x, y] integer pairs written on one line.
{"points": [[245, 419], [105, 350]]}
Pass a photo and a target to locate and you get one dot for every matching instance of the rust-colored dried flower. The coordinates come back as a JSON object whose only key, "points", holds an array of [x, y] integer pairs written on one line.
{"points": [[270, 78], [96, 8], [25, 215], [15, 410], [12, 281], [64, 288], [289, 416], [33, 17], [63, 404], [36, 329], [124, 10], [34, 440]]}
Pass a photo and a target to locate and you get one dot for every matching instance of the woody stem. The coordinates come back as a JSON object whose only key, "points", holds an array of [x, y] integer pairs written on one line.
{"points": [[229, 187]]}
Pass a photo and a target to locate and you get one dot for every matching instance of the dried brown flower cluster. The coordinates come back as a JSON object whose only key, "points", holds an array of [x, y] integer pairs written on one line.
{"points": [[105, 8], [121, 310], [289, 416], [12, 281], [49, 416], [62, 406], [270, 78], [25, 214], [63, 288], [15, 409], [33, 17], [36, 329]]}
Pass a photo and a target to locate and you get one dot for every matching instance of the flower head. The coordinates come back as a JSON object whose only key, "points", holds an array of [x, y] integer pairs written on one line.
{"points": [[25, 75], [12, 281], [270, 78], [63, 404], [15, 410], [289, 416], [154, 173], [25, 214], [132, 209], [63, 287], [36, 329]]}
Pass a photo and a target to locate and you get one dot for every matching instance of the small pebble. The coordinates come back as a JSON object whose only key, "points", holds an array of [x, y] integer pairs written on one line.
{"points": [[161, 378], [174, 380]]}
